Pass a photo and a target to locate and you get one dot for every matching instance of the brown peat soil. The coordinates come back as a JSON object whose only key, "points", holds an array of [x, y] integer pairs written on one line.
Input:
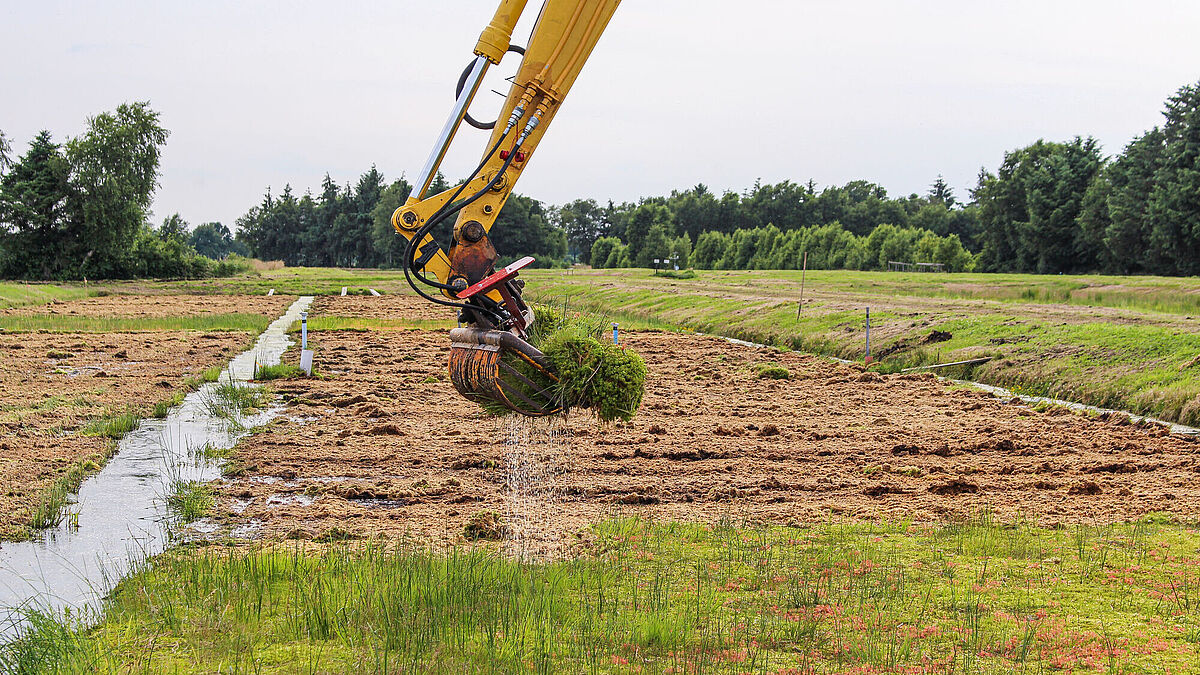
{"points": [[384, 446]]}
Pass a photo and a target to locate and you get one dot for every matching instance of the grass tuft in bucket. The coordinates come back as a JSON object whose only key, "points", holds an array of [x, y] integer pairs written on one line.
{"points": [[593, 373]]}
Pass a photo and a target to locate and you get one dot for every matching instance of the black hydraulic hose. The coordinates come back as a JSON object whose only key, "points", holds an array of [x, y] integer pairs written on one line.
{"points": [[439, 215], [446, 211], [462, 82]]}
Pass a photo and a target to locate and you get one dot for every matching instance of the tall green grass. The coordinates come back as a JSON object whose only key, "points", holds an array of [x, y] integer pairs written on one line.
{"points": [[61, 323], [231, 401], [48, 512], [189, 500], [211, 374], [970, 597]]}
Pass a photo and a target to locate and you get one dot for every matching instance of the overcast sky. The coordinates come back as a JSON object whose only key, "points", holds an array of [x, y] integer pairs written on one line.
{"points": [[678, 92]]}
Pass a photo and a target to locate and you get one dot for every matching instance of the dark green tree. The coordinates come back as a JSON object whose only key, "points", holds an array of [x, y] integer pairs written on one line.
{"points": [[602, 248], [173, 227], [1028, 211], [34, 212], [695, 210], [1175, 200], [655, 246], [215, 241], [644, 217], [522, 229], [941, 193], [710, 249], [114, 173], [5, 153], [583, 221], [389, 244]]}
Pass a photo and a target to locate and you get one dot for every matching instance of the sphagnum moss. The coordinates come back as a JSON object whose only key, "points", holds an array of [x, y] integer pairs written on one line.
{"points": [[592, 374]]}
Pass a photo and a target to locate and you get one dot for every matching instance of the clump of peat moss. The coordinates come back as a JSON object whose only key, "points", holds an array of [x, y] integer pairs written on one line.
{"points": [[772, 371], [596, 375], [592, 372], [487, 525]]}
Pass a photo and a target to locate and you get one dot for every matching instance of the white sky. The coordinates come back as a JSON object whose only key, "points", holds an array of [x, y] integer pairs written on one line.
{"points": [[678, 92]]}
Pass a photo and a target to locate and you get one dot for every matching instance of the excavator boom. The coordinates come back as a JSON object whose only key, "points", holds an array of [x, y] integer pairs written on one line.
{"points": [[464, 274]]}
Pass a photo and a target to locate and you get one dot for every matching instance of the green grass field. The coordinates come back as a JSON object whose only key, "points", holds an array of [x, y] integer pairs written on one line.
{"points": [[19, 293], [974, 597]]}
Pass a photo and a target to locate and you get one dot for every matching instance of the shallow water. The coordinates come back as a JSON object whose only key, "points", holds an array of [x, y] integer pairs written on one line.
{"points": [[119, 518]]}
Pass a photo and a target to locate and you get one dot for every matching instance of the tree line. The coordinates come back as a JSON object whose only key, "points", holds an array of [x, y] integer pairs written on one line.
{"points": [[351, 225], [1050, 208], [81, 209]]}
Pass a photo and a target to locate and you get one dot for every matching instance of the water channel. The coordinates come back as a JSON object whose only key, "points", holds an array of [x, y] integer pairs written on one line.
{"points": [[119, 518]]}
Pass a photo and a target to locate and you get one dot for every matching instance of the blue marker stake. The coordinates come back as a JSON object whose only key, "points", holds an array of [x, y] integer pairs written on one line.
{"points": [[615, 341]]}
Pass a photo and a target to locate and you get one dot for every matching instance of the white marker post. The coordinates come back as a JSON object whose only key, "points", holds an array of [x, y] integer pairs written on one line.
{"points": [[271, 292], [868, 358], [306, 355], [374, 292], [343, 291]]}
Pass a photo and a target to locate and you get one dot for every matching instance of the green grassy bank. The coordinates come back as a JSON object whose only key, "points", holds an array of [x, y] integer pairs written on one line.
{"points": [[1124, 342], [663, 598]]}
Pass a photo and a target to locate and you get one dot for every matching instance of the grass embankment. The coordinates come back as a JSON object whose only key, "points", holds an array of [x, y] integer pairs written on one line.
{"points": [[664, 598], [1124, 342], [13, 294]]}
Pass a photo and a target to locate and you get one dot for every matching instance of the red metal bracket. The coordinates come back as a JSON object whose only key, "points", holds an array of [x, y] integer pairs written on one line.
{"points": [[496, 278]]}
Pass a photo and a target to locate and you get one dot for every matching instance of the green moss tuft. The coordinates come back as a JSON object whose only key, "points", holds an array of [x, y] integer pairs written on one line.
{"points": [[603, 377], [772, 371]]}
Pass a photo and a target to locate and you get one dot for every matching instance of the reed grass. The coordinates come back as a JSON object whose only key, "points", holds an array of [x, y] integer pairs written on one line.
{"points": [[968, 597], [68, 323], [211, 374], [278, 371], [190, 500]]}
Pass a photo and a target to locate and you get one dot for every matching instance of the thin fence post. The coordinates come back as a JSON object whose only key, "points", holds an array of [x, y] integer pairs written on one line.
{"points": [[868, 357], [803, 273]]}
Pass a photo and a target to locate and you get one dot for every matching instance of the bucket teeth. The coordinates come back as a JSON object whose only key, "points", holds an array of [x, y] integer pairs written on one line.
{"points": [[481, 372]]}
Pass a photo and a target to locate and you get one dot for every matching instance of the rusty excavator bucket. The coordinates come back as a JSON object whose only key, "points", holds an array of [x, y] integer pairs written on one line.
{"points": [[496, 365], [486, 366]]}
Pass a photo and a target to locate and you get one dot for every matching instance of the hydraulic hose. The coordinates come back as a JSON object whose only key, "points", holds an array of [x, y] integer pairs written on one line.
{"points": [[447, 210]]}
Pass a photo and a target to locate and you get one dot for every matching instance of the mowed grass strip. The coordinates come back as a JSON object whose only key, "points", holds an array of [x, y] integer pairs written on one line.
{"points": [[69, 323], [976, 597]]}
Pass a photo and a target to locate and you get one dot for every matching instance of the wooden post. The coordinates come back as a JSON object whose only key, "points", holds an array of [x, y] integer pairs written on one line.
{"points": [[803, 273]]}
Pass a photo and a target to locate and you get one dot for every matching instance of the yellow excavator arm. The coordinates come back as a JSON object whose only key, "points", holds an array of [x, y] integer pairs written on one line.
{"points": [[464, 276]]}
